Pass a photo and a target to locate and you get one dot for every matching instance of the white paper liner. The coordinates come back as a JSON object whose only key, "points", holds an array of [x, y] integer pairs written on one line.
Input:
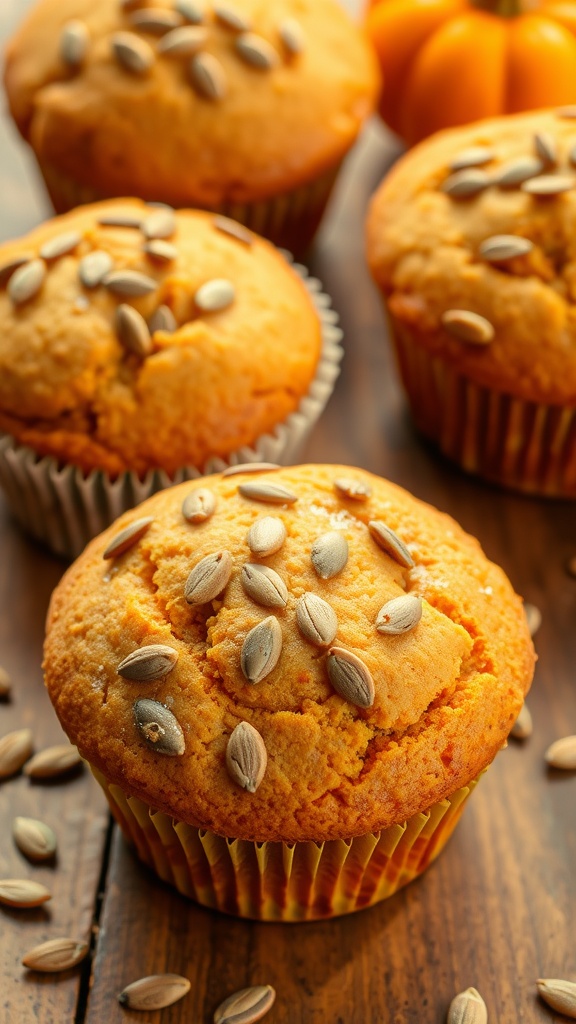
{"points": [[64, 508]]}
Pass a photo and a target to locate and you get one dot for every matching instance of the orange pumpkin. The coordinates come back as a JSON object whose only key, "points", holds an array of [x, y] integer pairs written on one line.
{"points": [[449, 62]]}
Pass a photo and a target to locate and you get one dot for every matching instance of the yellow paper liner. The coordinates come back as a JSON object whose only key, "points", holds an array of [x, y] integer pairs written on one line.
{"points": [[526, 446], [284, 881]]}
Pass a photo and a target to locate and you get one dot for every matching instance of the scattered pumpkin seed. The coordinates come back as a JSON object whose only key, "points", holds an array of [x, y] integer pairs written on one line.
{"points": [[60, 245], [163, 320], [261, 650], [23, 893], [273, 494], [548, 185], [34, 839], [129, 282], [559, 994], [316, 620], [133, 332], [8, 268], [155, 20], [292, 36], [475, 156], [159, 728], [353, 489], [246, 757], [256, 51], [533, 618], [264, 585], [154, 661], [399, 615], [246, 1006], [74, 40], [350, 677], [518, 171], [546, 148], [466, 184], [120, 220], [504, 247], [94, 267], [132, 53], [390, 543], [215, 295], [183, 42], [161, 223], [155, 992], [26, 281], [266, 536], [467, 326], [233, 229], [190, 10], [53, 762], [562, 754], [199, 505], [5, 684], [127, 537], [208, 578], [164, 252], [208, 77], [55, 955], [522, 727], [468, 1008], [329, 554], [231, 18], [250, 467], [15, 749]]}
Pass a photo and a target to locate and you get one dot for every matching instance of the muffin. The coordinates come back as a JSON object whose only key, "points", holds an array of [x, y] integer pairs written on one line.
{"points": [[139, 347], [287, 683], [246, 109], [471, 242]]}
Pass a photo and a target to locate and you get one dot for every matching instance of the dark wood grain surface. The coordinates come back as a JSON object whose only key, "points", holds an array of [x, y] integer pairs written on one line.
{"points": [[496, 911]]}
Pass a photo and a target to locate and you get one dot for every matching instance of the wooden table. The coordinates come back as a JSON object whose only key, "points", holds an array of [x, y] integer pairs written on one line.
{"points": [[497, 910]]}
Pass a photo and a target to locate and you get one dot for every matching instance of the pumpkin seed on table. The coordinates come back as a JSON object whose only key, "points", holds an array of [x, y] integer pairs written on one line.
{"points": [[127, 537], [559, 994], [183, 42], [208, 77], [155, 992], [22, 893], [504, 247], [5, 684], [562, 754], [53, 762], [133, 331], [522, 728], [154, 661], [132, 53], [60, 245], [274, 494], [246, 1006], [316, 620], [94, 267], [199, 505], [468, 1007], [34, 839], [467, 326], [475, 156], [55, 955], [390, 542], [74, 40], [465, 184], [399, 615], [159, 728], [246, 757], [15, 749], [329, 554], [26, 282], [264, 585], [350, 677], [266, 536], [261, 650], [208, 578], [250, 467]]}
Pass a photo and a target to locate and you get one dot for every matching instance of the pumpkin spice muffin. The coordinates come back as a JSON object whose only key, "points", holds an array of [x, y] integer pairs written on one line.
{"points": [[471, 242], [246, 108], [141, 346], [287, 683]]}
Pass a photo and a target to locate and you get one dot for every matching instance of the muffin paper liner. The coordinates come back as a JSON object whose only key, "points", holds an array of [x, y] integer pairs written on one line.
{"points": [[290, 219], [525, 446], [64, 508], [284, 881]]}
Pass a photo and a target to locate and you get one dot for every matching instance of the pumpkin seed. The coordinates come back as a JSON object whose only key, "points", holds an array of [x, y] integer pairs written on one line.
{"points": [[159, 728], [55, 955], [233, 229], [155, 661], [390, 543], [163, 320], [94, 267], [160, 224], [350, 677], [250, 467], [60, 245], [261, 650], [34, 839], [231, 18], [190, 10], [399, 615], [562, 754], [183, 42], [273, 494], [264, 586], [215, 295], [468, 1008], [329, 554], [522, 727], [257, 51], [559, 994], [465, 184], [120, 220], [8, 268], [546, 149], [132, 53], [504, 247], [548, 185], [15, 749], [23, 893], [518, 171], [475, 156], [74, 40], [132, 331], [266, 536], [199, 505], [26, 282], [246, 1006], [533, 618], [129, 282], [127, 537], [53, 762], [154, 992], [208, 77], [5, 684], [354, 489], [316, 620], [208, 578], [246, 757], [162, 251], [155, 20], [467, 326], [292, 36]]}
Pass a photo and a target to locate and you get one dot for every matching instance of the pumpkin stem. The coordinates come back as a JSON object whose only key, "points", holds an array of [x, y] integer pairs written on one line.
{"points": [[505, 8]]}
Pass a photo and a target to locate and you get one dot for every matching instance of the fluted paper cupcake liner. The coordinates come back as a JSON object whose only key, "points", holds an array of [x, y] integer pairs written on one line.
{"points": [[289, 219], [525, 446], [64, 508], [284, 881]]}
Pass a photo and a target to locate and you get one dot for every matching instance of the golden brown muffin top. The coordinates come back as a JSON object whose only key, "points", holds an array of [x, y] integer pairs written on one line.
{"points": [[92, 373], [431, 251], [446, 691], [257, 98]]}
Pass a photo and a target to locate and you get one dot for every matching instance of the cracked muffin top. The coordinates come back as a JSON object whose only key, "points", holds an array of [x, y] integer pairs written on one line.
{"points": [[482, 220], [136, 338], [294, 654]]}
